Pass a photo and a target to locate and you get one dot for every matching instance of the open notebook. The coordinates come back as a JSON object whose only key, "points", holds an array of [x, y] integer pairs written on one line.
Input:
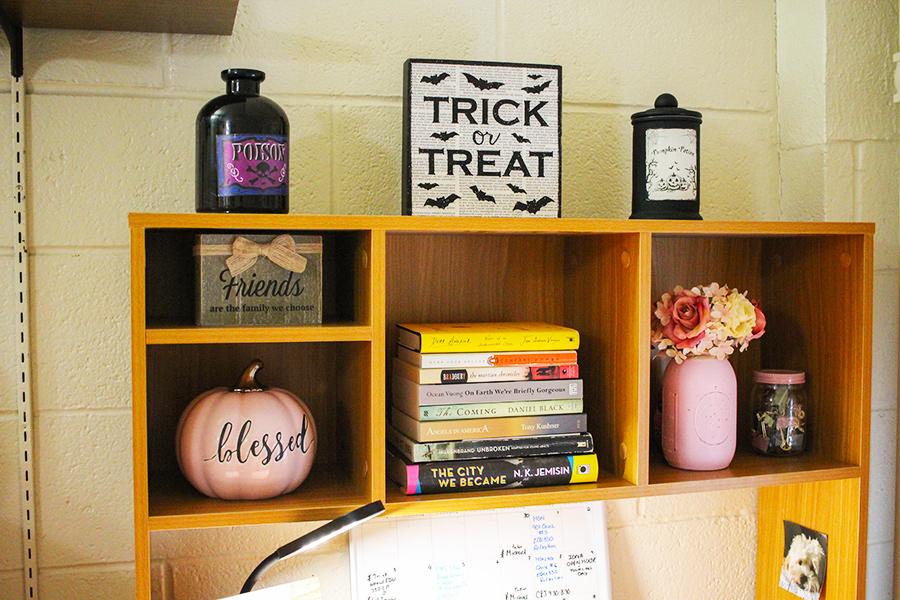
{"points": [[554, 552]]}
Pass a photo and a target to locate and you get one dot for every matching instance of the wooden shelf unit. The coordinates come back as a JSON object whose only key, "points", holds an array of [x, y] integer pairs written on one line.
{"points": [[161, 16], [598, 276]]}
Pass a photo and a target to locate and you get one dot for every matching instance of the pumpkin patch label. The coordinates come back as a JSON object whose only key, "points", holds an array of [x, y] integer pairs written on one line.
{"points": [[671, 164]]}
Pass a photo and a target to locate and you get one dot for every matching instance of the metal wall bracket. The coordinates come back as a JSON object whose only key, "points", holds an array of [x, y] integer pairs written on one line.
{"points": [[13, 33], [22, 341]]}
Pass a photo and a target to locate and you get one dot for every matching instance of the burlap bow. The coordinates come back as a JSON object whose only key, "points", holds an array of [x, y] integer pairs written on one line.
{"points": [[281, 251]]}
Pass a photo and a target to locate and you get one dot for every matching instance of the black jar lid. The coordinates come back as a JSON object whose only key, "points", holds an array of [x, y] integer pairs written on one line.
{"points": [[251, 74], [666, 109]]}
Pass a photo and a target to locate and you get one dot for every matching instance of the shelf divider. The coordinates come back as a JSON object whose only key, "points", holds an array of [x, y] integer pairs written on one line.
{"points": [[748, 469], [174, 504], [248, 335]]}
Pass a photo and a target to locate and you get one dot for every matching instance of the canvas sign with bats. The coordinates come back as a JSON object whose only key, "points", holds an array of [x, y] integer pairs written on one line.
{"points": [[482, 139]]}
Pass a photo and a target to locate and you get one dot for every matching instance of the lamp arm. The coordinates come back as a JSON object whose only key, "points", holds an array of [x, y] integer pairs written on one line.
{"points": [[259, 570], [315, 538]]}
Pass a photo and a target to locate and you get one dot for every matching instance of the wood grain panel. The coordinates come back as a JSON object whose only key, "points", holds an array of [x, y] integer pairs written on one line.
{"points": [[326, 494], [172, 16], [170, 300], [748, 468], [328, 332], [333, 379], [400, 224], [139, 418], [602, 300], [377, 366], [831, 507], [445, 278], [736, 261], [808, 282], [176, 374]]}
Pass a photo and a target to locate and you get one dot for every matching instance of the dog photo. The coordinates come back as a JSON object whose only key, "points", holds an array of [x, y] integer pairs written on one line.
{"points": [[805, 559]]}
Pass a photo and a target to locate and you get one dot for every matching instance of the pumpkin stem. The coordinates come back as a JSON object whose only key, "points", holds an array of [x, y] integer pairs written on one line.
{"points": [[248, 382]]}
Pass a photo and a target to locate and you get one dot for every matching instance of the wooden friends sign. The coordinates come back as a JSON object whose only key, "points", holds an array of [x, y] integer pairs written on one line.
{"points": [[481, 139]]}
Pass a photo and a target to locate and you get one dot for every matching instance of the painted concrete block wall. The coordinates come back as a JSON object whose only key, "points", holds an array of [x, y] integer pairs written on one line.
{"points": [[111, 131], [839, 162]]}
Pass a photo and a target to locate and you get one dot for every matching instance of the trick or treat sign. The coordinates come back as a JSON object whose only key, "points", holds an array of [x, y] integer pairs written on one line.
{"points": [[481, 139]]}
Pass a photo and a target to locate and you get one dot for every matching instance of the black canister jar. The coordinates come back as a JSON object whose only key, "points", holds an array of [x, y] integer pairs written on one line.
{"points": [[666, 162], [242, 149]]}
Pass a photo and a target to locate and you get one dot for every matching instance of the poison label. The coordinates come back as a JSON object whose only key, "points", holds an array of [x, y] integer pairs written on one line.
{"points": [[252, 164]]}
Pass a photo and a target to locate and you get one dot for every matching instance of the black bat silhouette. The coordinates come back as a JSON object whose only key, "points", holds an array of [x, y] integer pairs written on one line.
{"points": [[537, 89], [435, 79], [444, 135], [482, 84], [534, 76], [533, 206], [442, 202], [516, 188], [427, 186], [521, 139], [482, 195]]}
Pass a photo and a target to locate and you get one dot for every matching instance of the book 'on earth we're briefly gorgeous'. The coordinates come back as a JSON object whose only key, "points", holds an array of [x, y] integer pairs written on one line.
{"points": [[499, 473], [409, 396]]}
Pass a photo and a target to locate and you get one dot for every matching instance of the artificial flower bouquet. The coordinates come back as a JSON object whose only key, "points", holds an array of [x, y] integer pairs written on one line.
{"points": [[711, 320]]}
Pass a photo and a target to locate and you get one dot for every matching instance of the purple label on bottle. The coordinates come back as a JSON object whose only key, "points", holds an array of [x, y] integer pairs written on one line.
{"points": [[252, 164]]}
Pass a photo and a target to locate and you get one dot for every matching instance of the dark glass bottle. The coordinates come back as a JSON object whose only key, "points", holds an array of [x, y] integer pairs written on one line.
{"points": [[242, 149]]}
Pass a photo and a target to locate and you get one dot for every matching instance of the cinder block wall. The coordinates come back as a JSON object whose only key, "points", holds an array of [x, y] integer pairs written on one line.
{"points": [[111, 120]]}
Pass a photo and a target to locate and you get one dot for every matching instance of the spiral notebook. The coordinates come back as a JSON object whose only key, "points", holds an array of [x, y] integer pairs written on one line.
{"points": [[554, 551]]}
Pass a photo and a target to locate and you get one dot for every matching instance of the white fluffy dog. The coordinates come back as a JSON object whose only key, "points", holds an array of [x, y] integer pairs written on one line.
{"points": [[803, 563]]}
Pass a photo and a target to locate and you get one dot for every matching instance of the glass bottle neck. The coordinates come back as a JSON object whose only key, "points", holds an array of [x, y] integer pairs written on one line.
{"points": [[243, 87]]}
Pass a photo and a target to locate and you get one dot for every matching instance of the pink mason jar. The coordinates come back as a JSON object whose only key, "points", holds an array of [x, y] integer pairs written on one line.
{"points": [[699, 424]]}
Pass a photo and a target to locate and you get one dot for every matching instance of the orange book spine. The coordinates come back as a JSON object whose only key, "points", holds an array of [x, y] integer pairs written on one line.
{"points": [[549, 358]]}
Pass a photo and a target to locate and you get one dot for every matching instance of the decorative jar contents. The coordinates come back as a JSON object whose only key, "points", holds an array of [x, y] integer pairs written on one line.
{"points": [[246, 443], [247, 279], [779, 417], [242, 149]]}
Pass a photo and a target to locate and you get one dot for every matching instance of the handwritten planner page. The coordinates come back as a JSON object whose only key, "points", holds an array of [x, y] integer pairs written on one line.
{"points": [[557, 552]]}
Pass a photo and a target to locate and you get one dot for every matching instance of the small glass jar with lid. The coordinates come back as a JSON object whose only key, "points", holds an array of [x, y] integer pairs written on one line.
{"points": [[779, 412]]}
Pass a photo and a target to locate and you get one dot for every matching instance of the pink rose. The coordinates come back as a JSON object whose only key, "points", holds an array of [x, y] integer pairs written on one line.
{"points": [[690, 315], [759, 327]]}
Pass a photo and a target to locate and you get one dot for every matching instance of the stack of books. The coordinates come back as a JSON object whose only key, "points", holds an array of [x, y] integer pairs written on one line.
{"points": [[487, 405]]}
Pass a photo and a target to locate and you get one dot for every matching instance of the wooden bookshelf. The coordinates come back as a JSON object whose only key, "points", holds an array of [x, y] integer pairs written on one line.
{"points": [[162, 16], [595, 275]]}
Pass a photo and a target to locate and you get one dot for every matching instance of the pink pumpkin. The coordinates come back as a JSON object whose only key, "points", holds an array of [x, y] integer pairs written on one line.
{"points": [[246, 442]]}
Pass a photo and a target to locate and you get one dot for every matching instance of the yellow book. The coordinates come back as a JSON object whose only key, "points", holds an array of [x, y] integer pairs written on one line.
{"points": [[429, 338]]}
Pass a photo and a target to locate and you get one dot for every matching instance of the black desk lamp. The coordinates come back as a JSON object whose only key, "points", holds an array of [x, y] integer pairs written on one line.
{"points": [[315, 538]]}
